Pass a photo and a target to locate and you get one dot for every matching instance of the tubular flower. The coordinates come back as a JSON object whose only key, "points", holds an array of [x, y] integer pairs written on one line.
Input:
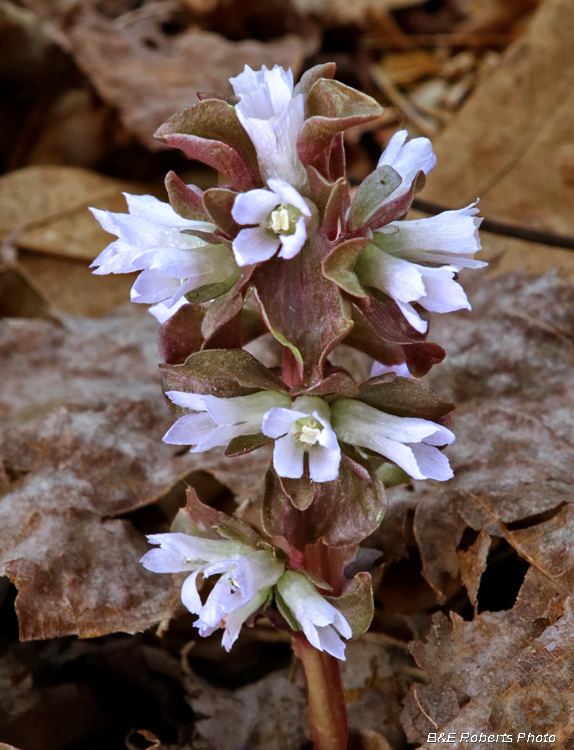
{"points": [[322, 623], [246, 578], [283, 218], [408, 442], [304, 427], [150, 240], [408, 159], [416, 261], [401, 370], [272, 117], [310, 425], [216, 421]]}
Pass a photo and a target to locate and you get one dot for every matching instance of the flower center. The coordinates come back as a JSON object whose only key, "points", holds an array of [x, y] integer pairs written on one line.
{"points": [[308, 430], [283, 219]]}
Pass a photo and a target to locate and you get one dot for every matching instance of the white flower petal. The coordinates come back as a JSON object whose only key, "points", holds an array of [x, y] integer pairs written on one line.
{"points": [[254, 245], [391, 152], [412, 316], [254, 206], [160, 560], [197, 551], [191, 429], [401, 370], [162, 312], [148, 207], [235, 619], [289, 196], [442, 293], [153, 286], [288, 457], [278, 421], [312, 611], [407, 159], [291, 244], [193, 401], [362, 425], [445, 238], [330, 641], [244, 409], [432, 463], [398, 278], [189, 593], [324, 463]]}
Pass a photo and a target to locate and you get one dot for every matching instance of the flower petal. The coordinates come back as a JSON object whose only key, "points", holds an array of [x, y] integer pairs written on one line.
{"points": [[401, 370], [190, 429], [254, 245], [288, 457], [432, 463], [189, 593], [153, 286], [278, 421], [442, 293], [235, 619], [244, 409], [162, 311], [445, 238], [324, 463], [330, 641], [188, 400], [291, 244], [407, 159], [254, 206], [289, 196]]}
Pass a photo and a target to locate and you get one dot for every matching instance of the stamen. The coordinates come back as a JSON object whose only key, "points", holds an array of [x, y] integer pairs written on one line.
{"points": [[280, 220]]}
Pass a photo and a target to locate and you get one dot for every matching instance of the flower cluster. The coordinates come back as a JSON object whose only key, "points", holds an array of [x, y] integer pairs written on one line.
{"points": [[248, 579], [282, 245]]}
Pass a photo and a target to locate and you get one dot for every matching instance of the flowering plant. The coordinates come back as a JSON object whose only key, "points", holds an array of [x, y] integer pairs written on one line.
{"points": [[282, 246]]}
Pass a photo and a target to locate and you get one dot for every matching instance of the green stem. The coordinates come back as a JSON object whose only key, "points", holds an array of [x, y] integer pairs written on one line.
{"points": [[327, 706]]}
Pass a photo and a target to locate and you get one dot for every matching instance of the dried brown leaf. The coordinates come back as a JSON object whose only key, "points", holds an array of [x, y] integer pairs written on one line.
{"points": [[511, 144], [148, 74], [518, 675], [83, 416], [45, 208]]}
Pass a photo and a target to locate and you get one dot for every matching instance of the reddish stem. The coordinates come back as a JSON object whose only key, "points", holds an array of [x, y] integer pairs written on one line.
{"points": [[327, 705]]}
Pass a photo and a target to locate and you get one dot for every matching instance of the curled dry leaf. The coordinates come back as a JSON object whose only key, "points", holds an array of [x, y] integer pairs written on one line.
{"points": [[512, 144], [82, 417], [44, 208], [510, 369], [518, 675], [148, 74]]}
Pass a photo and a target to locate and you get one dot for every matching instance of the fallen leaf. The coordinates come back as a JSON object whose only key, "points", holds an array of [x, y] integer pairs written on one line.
{"points": [[518, 675], [148, 74], [45, 208], [83, 416], [511, 144]]}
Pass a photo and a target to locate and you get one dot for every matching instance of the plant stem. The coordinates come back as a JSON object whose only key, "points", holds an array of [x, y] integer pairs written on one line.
{"points": [[327, 707]]}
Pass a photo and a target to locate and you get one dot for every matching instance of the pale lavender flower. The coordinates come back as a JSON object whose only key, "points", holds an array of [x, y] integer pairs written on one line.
{"points": [[407, 159], [272, 117], [283, 218], [408, 442], [321, 622], [417, 261], [303, 428], [401, 370], [150, 240], [246, 578], [217, 421]]}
